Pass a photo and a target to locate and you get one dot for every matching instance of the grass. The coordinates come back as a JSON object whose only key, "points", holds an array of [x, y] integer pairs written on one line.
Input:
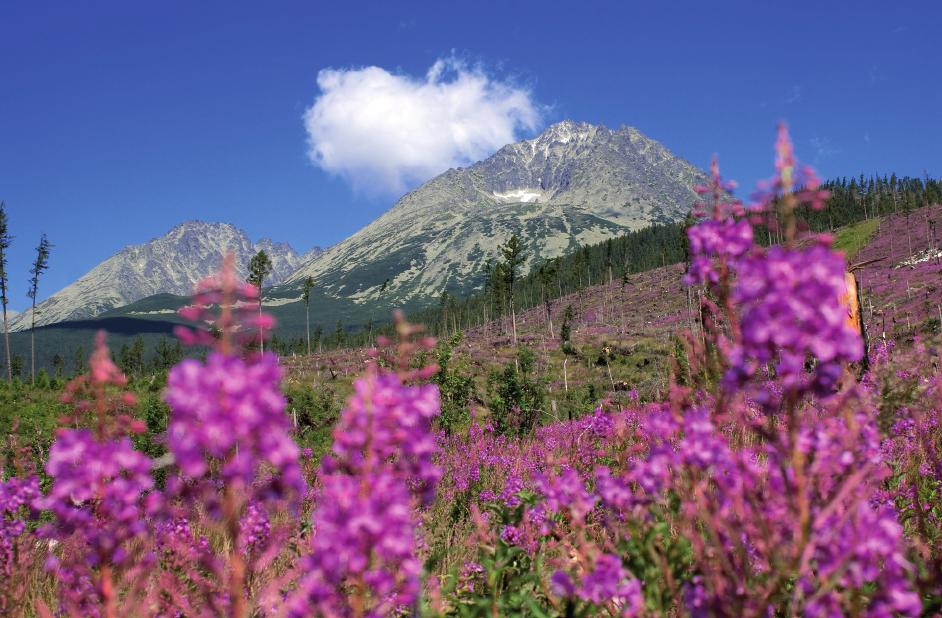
{"points": [[853, 238]]}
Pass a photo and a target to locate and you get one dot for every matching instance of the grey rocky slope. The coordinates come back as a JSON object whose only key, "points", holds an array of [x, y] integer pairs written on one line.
{"points": [[171, 263], [574, 184]]}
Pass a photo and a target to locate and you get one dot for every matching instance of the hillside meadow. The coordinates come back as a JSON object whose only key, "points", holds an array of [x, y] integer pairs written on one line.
{"points": [[714, 438]]}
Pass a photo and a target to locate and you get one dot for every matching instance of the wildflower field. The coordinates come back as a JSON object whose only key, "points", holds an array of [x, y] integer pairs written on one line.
{"points": [[776, 463]]}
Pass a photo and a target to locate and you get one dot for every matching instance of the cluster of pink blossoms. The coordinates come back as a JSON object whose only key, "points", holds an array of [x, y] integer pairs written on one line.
{"points": [[228, 423], [230, 438], [100, 494], [230, 411], [381, 469], [609, 583], [790, 303], [788, 300], [16, 497]]}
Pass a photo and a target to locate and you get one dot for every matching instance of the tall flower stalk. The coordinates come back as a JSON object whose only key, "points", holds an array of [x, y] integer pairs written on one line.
{"points": [[380, 471], [784, 502], [228, 431], [99, 495]]}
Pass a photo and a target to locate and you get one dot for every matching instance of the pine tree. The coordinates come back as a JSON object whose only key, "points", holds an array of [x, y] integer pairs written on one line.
{"points": [[513, 258], [306, 288], [137, 356], [166, 355], [40, 265], [547, 275], [57, 364], [260, 267], [5, 240], [565, 331], [78, 361], [318, 336], [125, 362]]}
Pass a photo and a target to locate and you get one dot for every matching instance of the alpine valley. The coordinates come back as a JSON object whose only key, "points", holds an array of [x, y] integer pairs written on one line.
{"points": [[572, 185]]}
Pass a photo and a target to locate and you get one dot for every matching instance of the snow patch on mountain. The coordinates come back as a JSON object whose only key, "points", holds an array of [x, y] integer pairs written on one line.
{"points": [[524, 196]]}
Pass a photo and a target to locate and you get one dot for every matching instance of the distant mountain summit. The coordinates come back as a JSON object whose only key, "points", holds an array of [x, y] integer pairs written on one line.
{"points": [[574, 184], [172, 263]]}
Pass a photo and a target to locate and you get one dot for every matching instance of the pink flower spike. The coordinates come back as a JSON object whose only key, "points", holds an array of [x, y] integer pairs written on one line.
{"points": [[185, 335], [103, 369], [265, 321], [785, 159], [249, 291]]}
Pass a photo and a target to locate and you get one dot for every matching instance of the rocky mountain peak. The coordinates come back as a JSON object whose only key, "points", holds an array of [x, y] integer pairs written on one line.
{"points": [[171, 263], [575, 183]]}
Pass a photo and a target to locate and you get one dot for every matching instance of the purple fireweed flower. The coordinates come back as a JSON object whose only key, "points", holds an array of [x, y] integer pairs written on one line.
{"points": [[231, 411], [388, 423], [565, 493], [614, 492], [98, 499], [609, 583], [364, 545], [561, 584], [188, 572], [487, 495], [865, 547], [802, 491], [512, 535], [695, 598], [100, 493], [791, 309], [229, 434], [711, 240], [254, 527], [363, 551], [512, 487], [721, 236], [789, 301], [16, 496], [470, 578]]}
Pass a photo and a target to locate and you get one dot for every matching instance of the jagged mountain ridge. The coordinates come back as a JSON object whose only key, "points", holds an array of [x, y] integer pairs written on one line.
{"points": [[574, 184], [171, 263]]}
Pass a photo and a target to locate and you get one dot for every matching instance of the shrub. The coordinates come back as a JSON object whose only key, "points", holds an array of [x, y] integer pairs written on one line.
{"points": [[517, 398]]}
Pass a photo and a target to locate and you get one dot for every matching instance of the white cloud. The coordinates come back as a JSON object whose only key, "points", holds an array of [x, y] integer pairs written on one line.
{"points": [[386, 132]]}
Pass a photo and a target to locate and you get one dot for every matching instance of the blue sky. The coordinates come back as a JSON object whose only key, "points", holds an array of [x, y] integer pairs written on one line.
{"points": [[120, 119]]}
